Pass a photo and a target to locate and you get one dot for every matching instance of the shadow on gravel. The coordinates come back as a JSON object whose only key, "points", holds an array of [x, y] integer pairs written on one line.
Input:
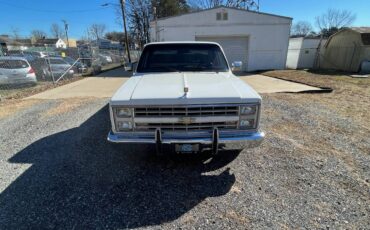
{"points": [[116, 72], [79, 180]]}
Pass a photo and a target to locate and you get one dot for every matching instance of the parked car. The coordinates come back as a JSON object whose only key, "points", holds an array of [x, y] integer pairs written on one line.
{"points": [[37, 63], [16, 71], [105, 59], [43, 54], [184, 95], [58, 67], [96, 65], [78, 67], [27, 56]]}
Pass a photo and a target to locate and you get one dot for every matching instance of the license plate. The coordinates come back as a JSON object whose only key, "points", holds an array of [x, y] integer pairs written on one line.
{"points": [[187, 148]]}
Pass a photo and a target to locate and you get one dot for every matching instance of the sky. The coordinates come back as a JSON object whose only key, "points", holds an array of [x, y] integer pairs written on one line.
{"points": [[26, 15]]}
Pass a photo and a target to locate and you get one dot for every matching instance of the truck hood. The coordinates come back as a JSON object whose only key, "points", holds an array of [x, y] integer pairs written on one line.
{"points": [[169, 88]]}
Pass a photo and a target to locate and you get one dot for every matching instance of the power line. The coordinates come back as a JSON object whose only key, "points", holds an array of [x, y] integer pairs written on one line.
{"points": [[51, 11]]}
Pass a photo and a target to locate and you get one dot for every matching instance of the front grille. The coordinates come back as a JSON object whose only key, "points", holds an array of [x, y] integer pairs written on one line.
{"points": [[187, 111], [185, 127], [204, 118]]}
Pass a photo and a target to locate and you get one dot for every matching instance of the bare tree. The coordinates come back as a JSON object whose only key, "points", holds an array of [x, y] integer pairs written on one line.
{"points": [[301, 28], [38, 34], [56, 31], [206, 4], [334, 18], [15, 32], [140, 13], [96, 31]]}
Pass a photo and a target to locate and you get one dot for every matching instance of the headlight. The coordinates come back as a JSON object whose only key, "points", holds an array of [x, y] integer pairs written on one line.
{"points": [[123, 112], [246, 124], [124, 125], [248, 109]]}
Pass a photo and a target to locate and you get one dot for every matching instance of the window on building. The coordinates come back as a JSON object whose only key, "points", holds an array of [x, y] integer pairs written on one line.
{"points": [[218, 16], [222, 16], [366, 39]]}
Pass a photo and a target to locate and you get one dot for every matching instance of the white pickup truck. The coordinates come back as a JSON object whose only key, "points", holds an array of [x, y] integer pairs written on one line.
{"points": [[184, 94]]}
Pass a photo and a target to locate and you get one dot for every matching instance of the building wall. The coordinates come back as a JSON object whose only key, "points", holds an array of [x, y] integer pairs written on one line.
{"points": [[294, 49], [302, 52], [268, 35], [72, 43]]}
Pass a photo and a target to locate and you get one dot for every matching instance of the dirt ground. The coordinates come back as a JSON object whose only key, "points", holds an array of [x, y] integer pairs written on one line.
{"points": [[350, 96], [11, 92]]}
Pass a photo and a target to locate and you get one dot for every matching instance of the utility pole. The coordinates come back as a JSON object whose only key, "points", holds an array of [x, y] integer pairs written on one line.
{"points": [[66, 31], [124, 27], [156, 24]]}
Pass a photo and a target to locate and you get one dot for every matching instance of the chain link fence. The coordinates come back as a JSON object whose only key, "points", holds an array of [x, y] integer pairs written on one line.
{"points": [[46, 66]]}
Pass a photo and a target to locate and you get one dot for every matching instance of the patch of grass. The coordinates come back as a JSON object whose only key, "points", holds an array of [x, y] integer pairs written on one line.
{"points": [[350, 96], [11, 92], [10, 107], [335, 80], [66, 105]]}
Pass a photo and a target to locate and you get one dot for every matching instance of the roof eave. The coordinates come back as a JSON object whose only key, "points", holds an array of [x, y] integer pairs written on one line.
{"points": [[226, 7]]}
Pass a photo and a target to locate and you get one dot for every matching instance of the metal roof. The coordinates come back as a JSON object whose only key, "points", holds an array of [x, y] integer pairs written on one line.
{"points": [[226, 7], [361, 30], [182, 42]]}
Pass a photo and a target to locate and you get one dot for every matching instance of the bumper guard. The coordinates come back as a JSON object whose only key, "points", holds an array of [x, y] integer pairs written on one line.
{"points": [[246, 140]]}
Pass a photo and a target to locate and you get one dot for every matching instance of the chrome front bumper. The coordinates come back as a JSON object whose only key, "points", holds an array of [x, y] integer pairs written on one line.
{"points": [[237, 141]]}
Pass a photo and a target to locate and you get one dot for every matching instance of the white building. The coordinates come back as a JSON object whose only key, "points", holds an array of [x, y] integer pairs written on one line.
{"points": [[302, 52], [104, 43], [260, 40], [61, 44]]}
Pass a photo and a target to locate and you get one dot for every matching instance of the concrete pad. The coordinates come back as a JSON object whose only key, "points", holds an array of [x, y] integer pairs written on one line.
{"points": [[264, 84], [106, 84], [100, 87]]}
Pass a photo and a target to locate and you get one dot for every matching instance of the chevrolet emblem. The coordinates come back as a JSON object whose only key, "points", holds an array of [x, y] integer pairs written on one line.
{"points": [[186, 120]]}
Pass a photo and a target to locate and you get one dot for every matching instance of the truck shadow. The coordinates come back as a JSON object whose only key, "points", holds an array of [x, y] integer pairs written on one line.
{"points": [[79, 180]]}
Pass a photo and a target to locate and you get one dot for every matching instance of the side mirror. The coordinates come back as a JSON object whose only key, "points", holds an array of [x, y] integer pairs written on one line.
{"points": [[128, 66], [236, 66]]}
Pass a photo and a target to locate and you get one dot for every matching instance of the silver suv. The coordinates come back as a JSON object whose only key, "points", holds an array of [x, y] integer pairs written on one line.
{"points": [[16, 70]]}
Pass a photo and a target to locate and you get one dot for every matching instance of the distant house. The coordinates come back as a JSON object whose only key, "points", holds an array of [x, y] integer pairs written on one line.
{"points": [[3, 40], [7, 43], [103, 43], [72, 43], [347, 49], [116, 45], [62, 43], [302, 52], [49, 42]]}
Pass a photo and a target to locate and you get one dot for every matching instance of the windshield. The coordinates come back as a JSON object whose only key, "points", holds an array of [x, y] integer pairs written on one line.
{"points": [[69, 60], [13, 64], [182, 58], [57, 61]]}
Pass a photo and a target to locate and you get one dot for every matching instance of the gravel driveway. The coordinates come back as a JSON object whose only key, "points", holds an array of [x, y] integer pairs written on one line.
{"points": [[58, 171]]}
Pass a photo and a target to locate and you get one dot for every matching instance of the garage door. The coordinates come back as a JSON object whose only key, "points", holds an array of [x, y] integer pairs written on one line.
{"points": [[235, 48]]}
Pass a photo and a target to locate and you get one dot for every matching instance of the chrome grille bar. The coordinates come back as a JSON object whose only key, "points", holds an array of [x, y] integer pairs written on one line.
{"points": [[202, 117], [188, 111], [186, 127]]}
